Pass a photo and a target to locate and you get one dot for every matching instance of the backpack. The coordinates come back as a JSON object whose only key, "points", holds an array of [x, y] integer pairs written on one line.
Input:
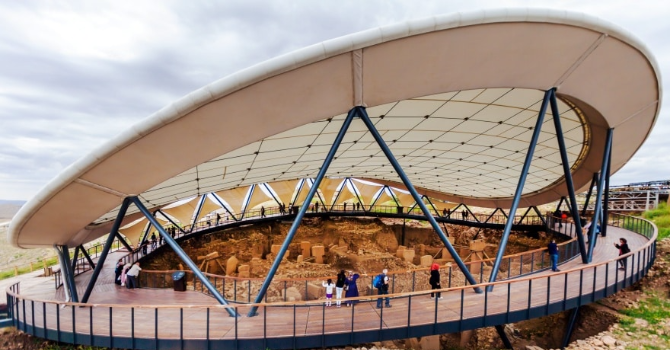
{"points": [[378, 281]]}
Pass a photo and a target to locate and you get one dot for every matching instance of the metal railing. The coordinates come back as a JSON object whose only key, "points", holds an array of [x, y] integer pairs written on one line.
{"points": [[82, 264], [307, 324]]}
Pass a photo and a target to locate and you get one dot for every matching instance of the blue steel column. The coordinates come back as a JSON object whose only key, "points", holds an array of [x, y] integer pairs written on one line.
{"points": [[303, 209], [177, 249], [594, 179], [220, 203], [356, 193], [599, 193], [197, 213], [398, 169], [75, 256], [246, 203], [574, 210], [88, 257], [519, 188], [67, 272], [105, 249], [123, 241], [606, 214]]}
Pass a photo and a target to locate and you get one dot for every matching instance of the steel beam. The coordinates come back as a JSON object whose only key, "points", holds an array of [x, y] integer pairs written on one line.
{"points": [[539, 215], [182, 255], [523, 216], [363, 115], [594, 179], [491, 216], [603, 228], [67, 272], [356, 193], [88, 257], [519, 187], [220, 203], [105, 249], [599, 193], [124, 243], [267, 188], [303, 209], [574, 210], [75, 256], [501, 332], [571, 327], [197, 213], [297, 194]]}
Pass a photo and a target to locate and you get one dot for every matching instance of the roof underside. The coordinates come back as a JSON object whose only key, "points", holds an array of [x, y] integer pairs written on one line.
{"points": [[454, 97]]}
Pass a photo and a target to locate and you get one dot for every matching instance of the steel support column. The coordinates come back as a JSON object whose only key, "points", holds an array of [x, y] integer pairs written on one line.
{"points": [[197, 213], [491, 216], [599, 193], [589, 192], [182, 255], [501, 332], [519, 187], [297, 194], [105, 249], [571, 327], [356, 193], [220, 203], [303, 209], [88, 257], [171, 221], [603, 228], [363, 115], [123, 242], [539, 215], [523, 216], [66, 271], [271, 194], [574, 210], [75, 256]]}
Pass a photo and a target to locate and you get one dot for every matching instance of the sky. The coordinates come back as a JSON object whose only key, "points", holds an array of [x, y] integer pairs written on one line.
{"points": [[74, 74]]}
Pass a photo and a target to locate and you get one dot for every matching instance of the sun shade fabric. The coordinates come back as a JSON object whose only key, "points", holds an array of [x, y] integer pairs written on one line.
{"points": [[385, 199], [259, 197], [367, 191], [328, 187], [235, 197], [284, 190], [345, 194], [208, 206], [405, 199], [184, 213]]}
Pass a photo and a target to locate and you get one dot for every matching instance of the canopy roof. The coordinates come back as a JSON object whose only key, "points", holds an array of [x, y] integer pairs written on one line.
{"points": [[455, 97]]}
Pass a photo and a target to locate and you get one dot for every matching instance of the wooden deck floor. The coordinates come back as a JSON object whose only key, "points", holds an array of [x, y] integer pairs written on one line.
{"points": [[151, 313]]}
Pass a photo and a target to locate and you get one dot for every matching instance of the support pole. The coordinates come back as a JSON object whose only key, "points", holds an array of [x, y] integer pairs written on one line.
{"points": [[363, 115], [519, 188], [303, 209], [539, 215], [491, 216], [267, 188], [220, 203], [606, 211], [571, 327], [297, 194], [356, 193], [588, 194], [105, 249], [88, 257], [195, 219], [173, 223], [599, 193], [125, 244], [523, 216], [574, 210], [67, 272], [183, 256], [75, 256], [473, 214], [503, 337]]}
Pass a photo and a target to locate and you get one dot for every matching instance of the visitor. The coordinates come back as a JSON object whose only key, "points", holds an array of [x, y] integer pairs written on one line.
{"points": [[154, 243], [218, 218], [329, 291], [132, 275], [262, 211], [557, 216], [339, 286], [352, 288], [623, 250], [384, 290], [145, 244], [345, 206], [124, 276], [553, 255], [444, 212], [316, 207], [117, 272], [435, 280]]}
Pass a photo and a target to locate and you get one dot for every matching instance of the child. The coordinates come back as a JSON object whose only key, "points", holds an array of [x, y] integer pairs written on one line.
{"points": [[329, 291]]}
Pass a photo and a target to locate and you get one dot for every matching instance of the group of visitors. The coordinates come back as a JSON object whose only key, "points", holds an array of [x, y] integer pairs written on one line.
{"points": [[126, 275], [344, 283]]}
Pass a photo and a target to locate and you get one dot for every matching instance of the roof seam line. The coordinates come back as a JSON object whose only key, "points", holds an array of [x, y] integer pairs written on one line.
{"points": [[101, 188], [581, 59], [650, 104]]}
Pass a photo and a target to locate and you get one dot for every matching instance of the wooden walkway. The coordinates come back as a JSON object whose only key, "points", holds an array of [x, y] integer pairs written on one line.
{"points": [[165, 314]]}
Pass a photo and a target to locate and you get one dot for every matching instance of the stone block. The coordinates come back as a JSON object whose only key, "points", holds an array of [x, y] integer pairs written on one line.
{"points": [[431, 342], [257, 251], [231, 265], [306, 248], [421, 249], [275, 249], [426, 260], [318, 251], [243, 271], [299, 259], [399, 252], [314, 292], [408, 255]]}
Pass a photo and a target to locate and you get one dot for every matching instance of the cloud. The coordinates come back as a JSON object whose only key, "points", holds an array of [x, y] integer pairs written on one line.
{"points": [[75, 74]]}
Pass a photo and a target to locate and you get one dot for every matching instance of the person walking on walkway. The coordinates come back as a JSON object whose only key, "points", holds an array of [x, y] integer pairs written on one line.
{"points": [[384, 290], [623, 250], [553, 255], [339, 286], [435, 280]]}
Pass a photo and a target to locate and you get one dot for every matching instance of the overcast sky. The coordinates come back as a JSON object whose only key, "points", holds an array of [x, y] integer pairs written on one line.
{"points": [[74, 74]]}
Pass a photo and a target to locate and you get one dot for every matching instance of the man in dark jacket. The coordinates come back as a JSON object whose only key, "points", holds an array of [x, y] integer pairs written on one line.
{"points": [[553, 255]]}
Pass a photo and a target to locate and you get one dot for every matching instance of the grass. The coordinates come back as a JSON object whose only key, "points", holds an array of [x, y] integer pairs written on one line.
{"points": [[661, 217], [653, 310]]}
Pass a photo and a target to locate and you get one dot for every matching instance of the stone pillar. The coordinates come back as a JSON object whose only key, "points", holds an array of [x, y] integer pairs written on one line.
{"points": [[399, 252], [231, 265], [300, 259], [426, 260], [408, 255], [318, 251], [243, 271], [306, 249]]}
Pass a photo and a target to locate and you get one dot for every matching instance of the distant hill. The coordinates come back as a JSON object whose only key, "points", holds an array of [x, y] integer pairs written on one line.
{"points": [[8, 208]]}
